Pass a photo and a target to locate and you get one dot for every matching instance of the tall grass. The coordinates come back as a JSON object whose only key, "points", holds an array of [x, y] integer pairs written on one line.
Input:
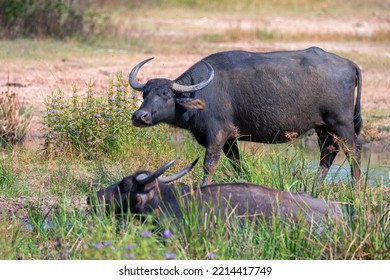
{"points": [[8, 178], [14, 119], [70, 231]]}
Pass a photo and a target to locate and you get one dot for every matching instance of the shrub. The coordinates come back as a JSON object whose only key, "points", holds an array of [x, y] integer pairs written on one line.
{"points": [[88, 125], [14, 119]]}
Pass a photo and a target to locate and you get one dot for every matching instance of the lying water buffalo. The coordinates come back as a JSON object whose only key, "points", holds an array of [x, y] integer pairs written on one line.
{"points": [[262, 97], [145, 192]]}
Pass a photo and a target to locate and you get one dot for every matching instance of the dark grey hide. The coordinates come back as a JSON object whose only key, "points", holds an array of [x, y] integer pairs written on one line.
{"points": [[262, 97], [224, 200]]}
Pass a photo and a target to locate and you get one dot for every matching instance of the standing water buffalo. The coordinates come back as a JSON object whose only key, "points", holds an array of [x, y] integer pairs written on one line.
{"points": [[147, 192], [261, 97]]}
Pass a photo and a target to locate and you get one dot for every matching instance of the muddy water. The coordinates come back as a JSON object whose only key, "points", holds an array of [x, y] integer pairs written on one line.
{"points": [[375, 160], [375, 165]]}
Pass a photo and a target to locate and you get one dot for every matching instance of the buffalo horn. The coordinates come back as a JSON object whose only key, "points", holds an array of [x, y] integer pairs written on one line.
{"points": [[133, 75], [183, 89], [144, 179], [184, 171]]}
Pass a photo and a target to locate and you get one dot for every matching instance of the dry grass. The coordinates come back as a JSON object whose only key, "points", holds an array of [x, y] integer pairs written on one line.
{"points": [[236, 34], [14, 119]]}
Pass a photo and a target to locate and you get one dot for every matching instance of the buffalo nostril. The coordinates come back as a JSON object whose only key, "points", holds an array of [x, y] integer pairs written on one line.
{"points": [[141, 117], [145, 116]]}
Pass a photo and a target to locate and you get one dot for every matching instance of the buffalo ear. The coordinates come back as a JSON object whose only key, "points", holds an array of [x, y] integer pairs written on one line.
{"points": [[191, 103], [125, 185]]}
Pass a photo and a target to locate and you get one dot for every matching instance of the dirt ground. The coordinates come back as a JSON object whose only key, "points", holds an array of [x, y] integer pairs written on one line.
{"points": [[34, 79]]}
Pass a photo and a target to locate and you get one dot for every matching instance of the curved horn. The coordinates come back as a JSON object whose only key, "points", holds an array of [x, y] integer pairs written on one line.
{"points": [[184, 171], [183, 89], [133, 75], [144, 179]]}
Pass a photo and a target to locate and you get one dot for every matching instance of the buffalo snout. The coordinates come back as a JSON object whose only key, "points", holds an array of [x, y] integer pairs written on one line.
{"points": [[141, 118]]}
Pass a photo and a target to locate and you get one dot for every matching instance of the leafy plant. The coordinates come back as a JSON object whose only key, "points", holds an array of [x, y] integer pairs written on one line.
{"points": [[91, 124]]}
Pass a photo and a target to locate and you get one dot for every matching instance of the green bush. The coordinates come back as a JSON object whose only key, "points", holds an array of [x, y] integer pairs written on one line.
{"points": [[88, 125]]}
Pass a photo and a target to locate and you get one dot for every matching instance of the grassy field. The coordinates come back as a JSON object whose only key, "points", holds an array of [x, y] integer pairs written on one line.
{"points": [[53, 222], [43, 189]]}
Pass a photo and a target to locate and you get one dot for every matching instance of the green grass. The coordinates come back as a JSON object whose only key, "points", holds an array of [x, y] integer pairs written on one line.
{"points": [[69, 233], [8, 178], [49, 49]]}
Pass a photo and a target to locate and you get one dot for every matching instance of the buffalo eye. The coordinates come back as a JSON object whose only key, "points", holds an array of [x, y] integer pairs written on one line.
{"points": [[125, 186]]}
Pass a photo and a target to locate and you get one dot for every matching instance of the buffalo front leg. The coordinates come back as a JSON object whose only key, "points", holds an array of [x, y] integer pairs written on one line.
{"points": [[213, 151], [210, 164], [232, 153]]}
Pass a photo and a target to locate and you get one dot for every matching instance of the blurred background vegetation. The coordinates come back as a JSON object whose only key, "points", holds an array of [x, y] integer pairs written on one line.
{"points": [[44, 18], [65, 19]]}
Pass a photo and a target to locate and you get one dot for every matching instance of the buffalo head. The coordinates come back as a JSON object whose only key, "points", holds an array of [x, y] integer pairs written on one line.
{"points": [[137, 192], [162, 95]]}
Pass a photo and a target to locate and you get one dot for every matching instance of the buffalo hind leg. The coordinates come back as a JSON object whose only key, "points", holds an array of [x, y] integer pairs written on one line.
{"points": [[233, 154], [347, 140], [329, 149]]}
